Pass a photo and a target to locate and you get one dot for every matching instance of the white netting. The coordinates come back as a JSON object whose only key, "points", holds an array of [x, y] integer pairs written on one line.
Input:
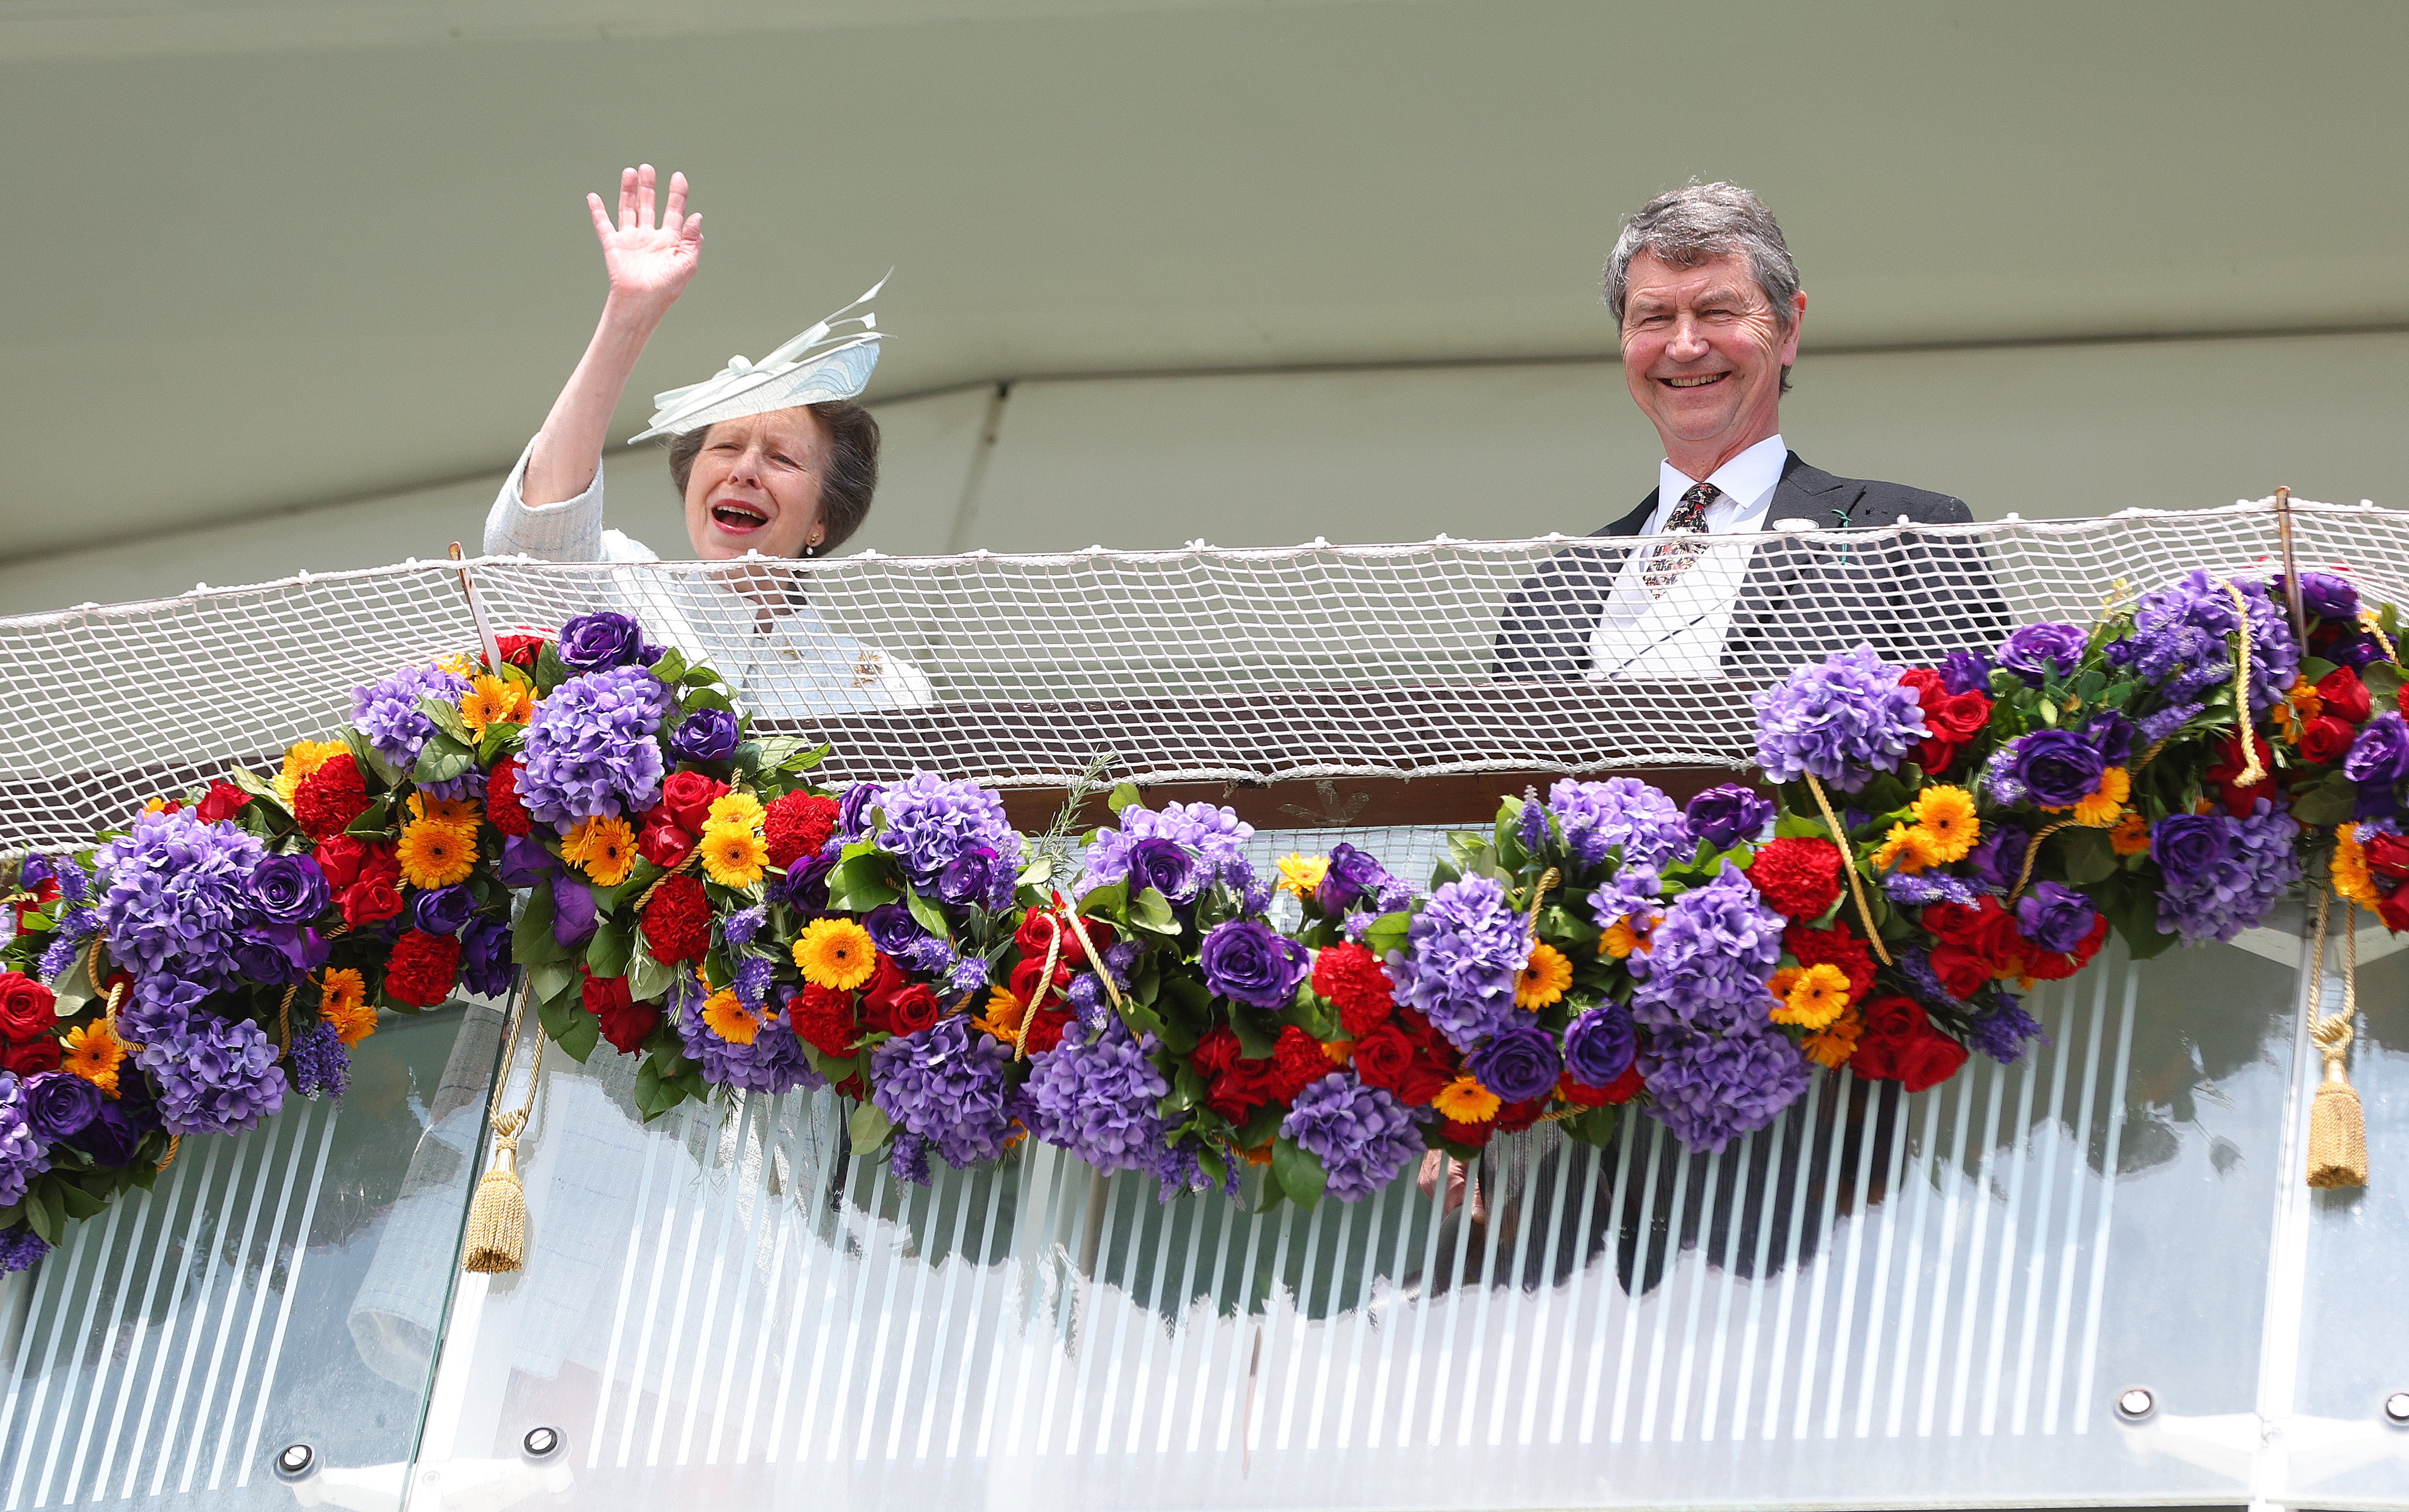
{"points": [[1246, 666]]}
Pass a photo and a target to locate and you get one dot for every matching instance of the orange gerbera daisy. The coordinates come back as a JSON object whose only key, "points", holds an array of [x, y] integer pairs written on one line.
{"points": [[1831, 1047], [837, 953], [434, 853], [343, 1004], [604, 846], [93, 1053], [728, 1019], [1465, 1101], [1811, 997], [1544, 977], [493, 700]]}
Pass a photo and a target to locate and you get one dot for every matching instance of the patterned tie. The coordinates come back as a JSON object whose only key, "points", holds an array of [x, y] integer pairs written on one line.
{"points": [[1674, 559]]}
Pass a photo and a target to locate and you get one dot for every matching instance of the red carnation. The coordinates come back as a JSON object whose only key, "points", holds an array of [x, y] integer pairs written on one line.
{"points": [[1297, 1063], [1580, 1094], [225, 802], [1514, 1117], [1900, 1044], [677, 920], [625, 1023], [824, 1018], [2345, 696], [502, 806], [31, 1058], [1627, 1086], [1835, 946], [1352, 977], [1383, 1057], [685, 800], [2325, 739], [796, 826], [1799, 877], [421, 968], [330, 797], [26, 1007]]}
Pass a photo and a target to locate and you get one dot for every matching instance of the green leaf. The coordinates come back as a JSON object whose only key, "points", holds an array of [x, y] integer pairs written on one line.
{"points": [[441, 760], [1271, 1194], [42, 1213], [374, 818], [803, 761], [2314, 667], [1124, 795], [531, 941], [929, 916], [648, 980], [447, 718], [672, 666], [78, 1202], [706, 698], [870, 1129], [1300, 1175], [570, 1026], [608, 953], [551, 979], [496, 740], [256, 785], [2383, 680], [1151, 912], [366, 755], [698, 677], [1387, 933], [655, 1094], [2087, 855], [2331, 800], [1800, 827], [1255, 1040], [859, 884], [2048, 713], [550, 671]]}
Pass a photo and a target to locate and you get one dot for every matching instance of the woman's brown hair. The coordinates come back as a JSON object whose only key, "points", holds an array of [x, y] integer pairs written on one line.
{"points": [[847, 481]]}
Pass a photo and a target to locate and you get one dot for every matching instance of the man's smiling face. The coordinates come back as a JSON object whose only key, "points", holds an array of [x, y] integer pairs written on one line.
{"points": [[1703, 354]]}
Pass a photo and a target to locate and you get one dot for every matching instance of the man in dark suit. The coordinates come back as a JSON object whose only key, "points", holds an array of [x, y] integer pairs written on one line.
{"points": [[1709, 305]]}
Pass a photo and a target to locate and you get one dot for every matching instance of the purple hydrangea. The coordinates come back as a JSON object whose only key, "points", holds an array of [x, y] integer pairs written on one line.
{"points": [[593, 747], [1725, 815], [1216, 835], [22, 1155], [1364, 1136], [1180, 1169], [2181, 640], [1097, 1099], [319, 1064], [2214, 891], [1248, 961], [178, 895], [1633, 890], [774, 1063], [1708, 962], [930, 823], [158, 1008], [1710, 1089], [1463, 951], [946, 1085], [1517, 1063], [220, 1076], [389, 716], [2034, 652], [20, 1247], [2004, 1031], [1842, 721], [1623, 811], [1600, 1043]]}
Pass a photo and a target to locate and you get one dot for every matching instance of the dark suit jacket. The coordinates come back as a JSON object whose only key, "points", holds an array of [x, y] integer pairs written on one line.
{"points": [[1914, 597]]}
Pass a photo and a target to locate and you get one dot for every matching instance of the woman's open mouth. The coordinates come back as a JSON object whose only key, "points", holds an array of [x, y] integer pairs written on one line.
{"points": [[740, 518]]}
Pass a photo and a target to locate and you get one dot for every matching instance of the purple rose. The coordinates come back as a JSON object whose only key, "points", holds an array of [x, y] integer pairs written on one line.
{"points": [[288, 889], [1519, 1064], [1724, 816], [2377, 803], [969, 880], [892, 928], [2036, 651], [524, 861], [599, 640], [649, 651], [807, 881], [2054, 917], [2327, 597], [2187, 845], [572, 911], [2112, 733], [442, 910], [59, 1104], [2057, 767], [707, 735], [2356, 650], [1998, 856], [485, 958], [852, 809], [279, 953], [110, 1137], [1165, 866], [1966, 671], [1352, 874], [1245, 961], [2380, 756], [1600, 1044]]}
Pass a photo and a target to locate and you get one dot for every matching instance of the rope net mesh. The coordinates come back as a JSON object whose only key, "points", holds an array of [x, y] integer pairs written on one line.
{"points": [[1581, 656]]}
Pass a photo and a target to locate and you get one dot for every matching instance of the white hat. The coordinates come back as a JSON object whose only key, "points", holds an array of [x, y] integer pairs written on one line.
{"points": [[813, 369]]}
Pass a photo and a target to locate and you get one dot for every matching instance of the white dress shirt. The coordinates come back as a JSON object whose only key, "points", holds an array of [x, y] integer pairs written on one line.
{"points": [[788, 664], [1680, 635]]}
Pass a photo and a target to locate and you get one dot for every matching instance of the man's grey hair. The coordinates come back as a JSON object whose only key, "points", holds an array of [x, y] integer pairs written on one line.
{"points": [[1693, 223]]}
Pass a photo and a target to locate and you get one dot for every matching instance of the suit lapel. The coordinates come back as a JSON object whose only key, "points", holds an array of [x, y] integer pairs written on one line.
{"points": [[1808, 492], [1637, 521]]}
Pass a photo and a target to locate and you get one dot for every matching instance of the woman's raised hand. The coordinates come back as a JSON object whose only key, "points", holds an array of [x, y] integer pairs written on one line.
{"points": [[648, 262]]}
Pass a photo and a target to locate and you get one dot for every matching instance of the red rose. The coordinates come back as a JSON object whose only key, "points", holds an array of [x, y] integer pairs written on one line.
{"points": [[1046, 1029], [913, 1008], [340, 858], [1383, 1057], [1240, 1090], [1925, 1062], [503, 808], [823, 1017], [26, 1007], [421, 968], [1215, 1053], [664, 845], [225, 802], [1352, 977], [2388, 856], [689, 796], [677, 920], [1513, 1117], [1954, 922], [796, 826], [625, 1023], [1579, 1094], [1627, 1086], [520, 651], [1900, 1044], [2238, 801], [32, 1058], [330, 797], [2345, 697], [1962, 973], [1954, 718], [1036, 934], [1024, 980], [46, 892], [1424, 1081], [2393, 909], [1835, 946], [1475, 1135], [1297, 1063], [1799, 877], [372, 900], [2325, 739]]}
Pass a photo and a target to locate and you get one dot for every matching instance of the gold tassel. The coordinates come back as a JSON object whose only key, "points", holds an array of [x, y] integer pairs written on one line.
{"points": [[496, 1242], [2337, 1122]]}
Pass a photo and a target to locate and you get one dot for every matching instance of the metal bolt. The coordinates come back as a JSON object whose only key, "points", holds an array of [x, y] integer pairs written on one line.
{"points": [[2135, 1404], [540, 1443], [2395, 1409], [294, 1460]]}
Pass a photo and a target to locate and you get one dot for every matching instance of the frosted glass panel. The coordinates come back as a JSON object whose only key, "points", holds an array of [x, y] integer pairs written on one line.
{"points": [[1920, 1299]]}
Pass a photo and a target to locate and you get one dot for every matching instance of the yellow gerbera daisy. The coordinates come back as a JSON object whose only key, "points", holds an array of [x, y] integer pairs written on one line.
{"points": [[738, 810], [491, 701], [434, 853], [731, 857], [1946, 816], [729, 1018], [343, 1004], [1837, 1042], [1300, 873], [2131, 836], [93, 1053], [304, 758], [2102, 807], [2350, 875], [445, 810], [1911, 848], [1465, 1101], [604, 845], [1544, 977], [459, 664], [839, 954], [1814, 997]]}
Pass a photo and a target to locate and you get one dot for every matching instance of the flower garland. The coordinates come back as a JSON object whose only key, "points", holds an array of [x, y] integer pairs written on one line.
{"points": [[595, 813]]}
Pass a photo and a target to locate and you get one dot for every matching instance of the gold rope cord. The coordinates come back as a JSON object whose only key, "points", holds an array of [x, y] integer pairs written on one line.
{"points": [[2337, 1122], [1849, 864], [494, 1240], [2253, 772]]}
